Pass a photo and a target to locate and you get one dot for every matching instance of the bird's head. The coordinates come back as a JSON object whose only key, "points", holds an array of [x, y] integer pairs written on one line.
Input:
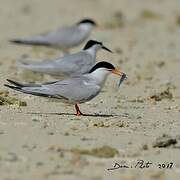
{"points": [[95, 45], [107, 68], [87, 21], [102, 69]]}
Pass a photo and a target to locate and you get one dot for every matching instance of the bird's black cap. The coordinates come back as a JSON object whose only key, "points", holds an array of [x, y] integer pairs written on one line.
{"points": [[102, 64], [90, 21], [91, 43]]}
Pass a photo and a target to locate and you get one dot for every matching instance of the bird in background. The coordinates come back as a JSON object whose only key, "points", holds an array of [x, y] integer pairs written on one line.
{"points": [[75, 90], [70, 64], [63, 38]]}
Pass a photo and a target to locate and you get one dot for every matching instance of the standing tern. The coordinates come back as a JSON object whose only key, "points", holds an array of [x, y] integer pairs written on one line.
{"points": [[75, 90], [63, 38], [70, 64]]}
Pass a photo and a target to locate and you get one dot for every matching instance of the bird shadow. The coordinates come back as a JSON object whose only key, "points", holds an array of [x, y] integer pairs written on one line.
{"points": [[86, 115]]}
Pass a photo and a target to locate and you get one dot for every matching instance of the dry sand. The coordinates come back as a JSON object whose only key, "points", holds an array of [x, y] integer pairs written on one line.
{"points": [[38, 143]]}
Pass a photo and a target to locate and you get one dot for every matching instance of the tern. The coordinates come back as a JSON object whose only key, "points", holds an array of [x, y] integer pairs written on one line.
{"points": [[70, 64], [63, 38], [75, 90]]}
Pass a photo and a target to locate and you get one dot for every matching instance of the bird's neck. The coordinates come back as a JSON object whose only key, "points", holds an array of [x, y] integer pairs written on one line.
{"points": [[99, 76], [92, 51], [86, 28]]}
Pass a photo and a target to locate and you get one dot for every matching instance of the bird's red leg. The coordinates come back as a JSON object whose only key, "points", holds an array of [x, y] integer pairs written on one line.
{"points": [[78, 112]]}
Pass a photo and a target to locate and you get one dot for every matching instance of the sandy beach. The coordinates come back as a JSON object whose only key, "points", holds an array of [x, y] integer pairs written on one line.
{"points": [[44, 140]]}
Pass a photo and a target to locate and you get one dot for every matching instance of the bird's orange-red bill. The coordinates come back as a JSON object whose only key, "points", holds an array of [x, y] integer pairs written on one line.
{"points": [[117, 71]]}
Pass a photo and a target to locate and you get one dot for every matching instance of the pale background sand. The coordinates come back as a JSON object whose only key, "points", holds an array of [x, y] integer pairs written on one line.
{"points": [[150, 45]]}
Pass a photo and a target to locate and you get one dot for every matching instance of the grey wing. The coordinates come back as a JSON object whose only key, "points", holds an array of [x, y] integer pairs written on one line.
{"points": [[69, 65], [34, 89], [75, 64], [63, 37], [42, 90], [78, 89], [42, 39], [66, 37], [45, 66]]}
